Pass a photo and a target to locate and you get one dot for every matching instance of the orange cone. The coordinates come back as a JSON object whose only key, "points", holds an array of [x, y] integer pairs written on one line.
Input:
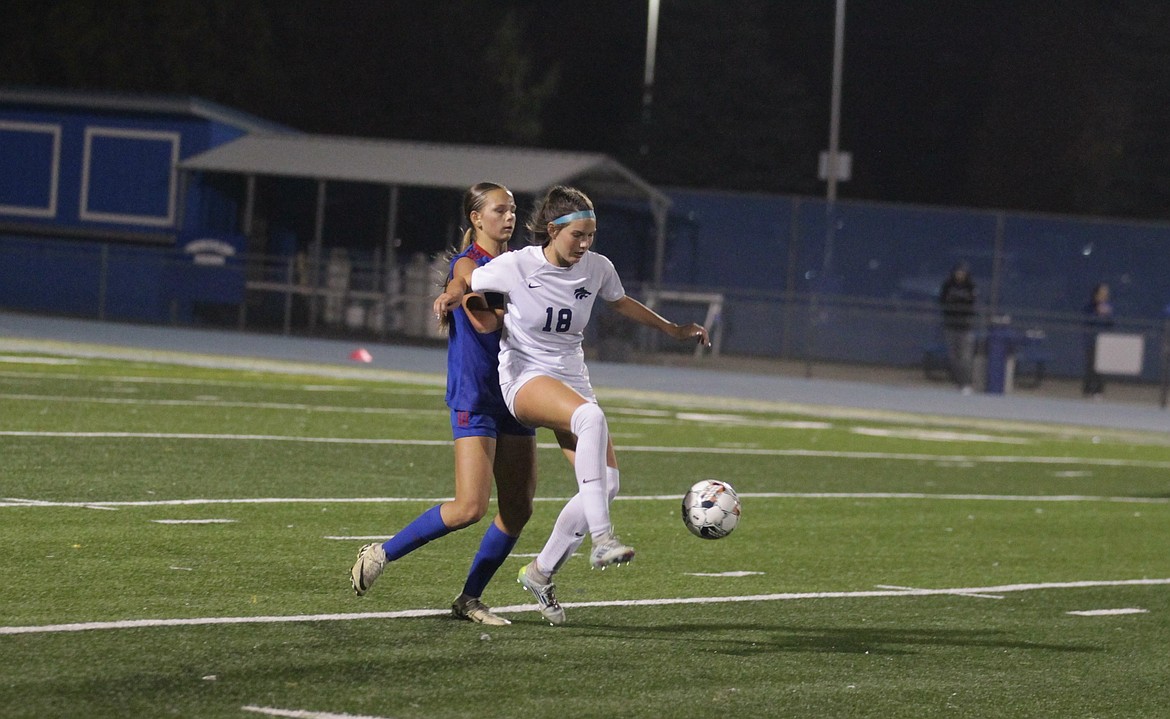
{"points": [[361, 355]]}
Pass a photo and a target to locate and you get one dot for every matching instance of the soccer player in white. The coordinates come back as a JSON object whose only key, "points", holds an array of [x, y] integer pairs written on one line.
{"points": [[550, 288]]}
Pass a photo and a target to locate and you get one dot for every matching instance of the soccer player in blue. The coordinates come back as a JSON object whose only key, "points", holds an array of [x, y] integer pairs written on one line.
{"points": [[489, 442]]}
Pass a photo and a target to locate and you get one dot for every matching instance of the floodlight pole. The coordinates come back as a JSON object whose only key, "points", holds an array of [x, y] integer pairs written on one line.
{"points": [[834, 135], [659, 210], [831, 176], [648, 77]]}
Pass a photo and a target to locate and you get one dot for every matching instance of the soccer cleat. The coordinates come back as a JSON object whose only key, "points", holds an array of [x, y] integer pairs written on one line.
{"points": [[371, 559], [545, 595], [610, 551], [472, 609]]}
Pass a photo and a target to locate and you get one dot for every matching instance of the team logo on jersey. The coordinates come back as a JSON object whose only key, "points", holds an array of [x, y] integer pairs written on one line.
{"points": [[581, 293]]}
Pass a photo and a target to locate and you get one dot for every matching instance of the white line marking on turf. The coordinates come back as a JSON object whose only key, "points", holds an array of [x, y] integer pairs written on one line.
{"points": [[739, 419], [193, 521], [912, 589], [722, 574], [368, 537], [217, 403], [15, 502], [636, 412], [38, 360], [515, 608], [191, 381], [158, 435], [923, 495], [932, 435], [112, 505], [247, 500], [741, 451], [1109, 612], [302, 714]]}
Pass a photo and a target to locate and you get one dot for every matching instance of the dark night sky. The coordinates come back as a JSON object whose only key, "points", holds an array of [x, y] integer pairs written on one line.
{"points": [[1053, 105]]}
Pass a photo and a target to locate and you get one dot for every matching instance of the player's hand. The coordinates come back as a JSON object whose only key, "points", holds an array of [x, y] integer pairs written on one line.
{"points": [[446, 302], [692, 331]]}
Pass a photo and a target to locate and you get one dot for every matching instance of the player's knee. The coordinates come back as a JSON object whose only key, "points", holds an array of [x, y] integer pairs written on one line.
{"points": [[464, 514], [514, 516], [589, 419]]}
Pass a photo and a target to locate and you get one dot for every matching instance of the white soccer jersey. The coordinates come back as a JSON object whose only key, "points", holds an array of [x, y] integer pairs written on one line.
{"points": [[548, 309]]}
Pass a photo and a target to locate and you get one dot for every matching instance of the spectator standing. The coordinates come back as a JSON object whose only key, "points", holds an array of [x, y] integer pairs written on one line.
{"points": [[1098, 313], [957, 297]]}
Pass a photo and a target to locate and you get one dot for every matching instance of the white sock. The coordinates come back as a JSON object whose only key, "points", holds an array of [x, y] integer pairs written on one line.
{"points": [[569, 531], [612, 482], [567, 534], [589, 425]]}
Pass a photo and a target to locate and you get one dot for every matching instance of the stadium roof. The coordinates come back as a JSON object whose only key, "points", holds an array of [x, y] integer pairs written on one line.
{"points": [[136, 103], [422, 164]]}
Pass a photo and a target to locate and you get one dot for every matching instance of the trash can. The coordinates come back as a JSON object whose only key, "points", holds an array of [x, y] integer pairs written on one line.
{"points": [[1000, 357]]}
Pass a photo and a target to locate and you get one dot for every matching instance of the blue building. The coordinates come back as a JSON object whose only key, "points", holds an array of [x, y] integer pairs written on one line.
{"points": [[93, 210]]}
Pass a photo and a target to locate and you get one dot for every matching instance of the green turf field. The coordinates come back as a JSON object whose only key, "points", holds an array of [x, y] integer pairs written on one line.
{"points": [[176, 541]]}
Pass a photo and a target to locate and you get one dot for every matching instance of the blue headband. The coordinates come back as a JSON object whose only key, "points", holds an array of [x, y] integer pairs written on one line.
{"points": [[582, 215]]}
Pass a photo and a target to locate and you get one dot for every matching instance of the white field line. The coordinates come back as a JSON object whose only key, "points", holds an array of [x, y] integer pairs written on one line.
{"points": [[38, 360], [200, 501], [303, 713], [910, 589], [221, 404], [516, 608], [17, 502], [935, 435], [236, 437], [913, 457], [1108, 612], [742, 451], [144, 380], [723, 574]]}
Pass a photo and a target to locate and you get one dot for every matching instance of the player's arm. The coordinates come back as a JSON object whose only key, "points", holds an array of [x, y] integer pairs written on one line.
{"points": [[632, 309], [485, 315], [452, 295]]}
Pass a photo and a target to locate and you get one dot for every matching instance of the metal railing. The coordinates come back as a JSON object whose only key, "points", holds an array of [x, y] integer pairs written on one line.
{"points": [[393, 302]]}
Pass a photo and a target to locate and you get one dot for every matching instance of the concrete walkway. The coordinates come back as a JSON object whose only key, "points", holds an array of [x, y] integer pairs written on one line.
{"points": [[723, 381]]}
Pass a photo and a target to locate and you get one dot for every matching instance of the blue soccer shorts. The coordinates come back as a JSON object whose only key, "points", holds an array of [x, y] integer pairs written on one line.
{"points": [[477, 424]]}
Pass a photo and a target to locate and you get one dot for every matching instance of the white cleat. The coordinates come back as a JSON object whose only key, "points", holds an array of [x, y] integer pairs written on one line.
{"points": [[371, 559], [472, 609], [610, 551], [545, 595]]}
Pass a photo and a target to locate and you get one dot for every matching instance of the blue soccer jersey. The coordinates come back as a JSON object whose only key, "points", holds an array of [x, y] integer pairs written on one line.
{"points": [[473, 373]]}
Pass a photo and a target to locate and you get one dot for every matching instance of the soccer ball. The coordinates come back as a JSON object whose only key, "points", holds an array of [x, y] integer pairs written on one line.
{"points": [[711, 509]]}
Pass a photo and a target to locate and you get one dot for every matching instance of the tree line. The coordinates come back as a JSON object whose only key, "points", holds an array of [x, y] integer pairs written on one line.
{"points": [[1051, 107]]}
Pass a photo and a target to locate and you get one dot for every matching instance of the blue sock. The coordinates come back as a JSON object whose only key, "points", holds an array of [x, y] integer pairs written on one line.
{"points": [[427, 526], [493, 550]]}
